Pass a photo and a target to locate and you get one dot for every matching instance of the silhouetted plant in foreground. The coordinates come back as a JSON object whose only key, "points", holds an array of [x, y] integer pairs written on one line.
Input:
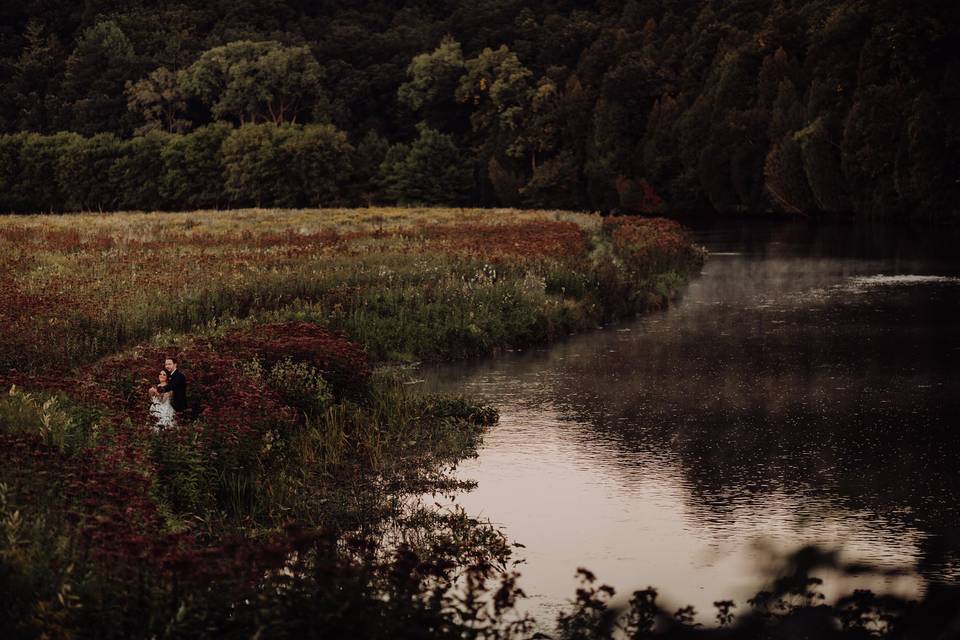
{"points": [[793, 608]]}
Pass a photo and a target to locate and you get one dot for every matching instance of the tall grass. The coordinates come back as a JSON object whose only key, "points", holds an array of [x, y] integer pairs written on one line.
{"points": [[284, 322], [428, 284]]}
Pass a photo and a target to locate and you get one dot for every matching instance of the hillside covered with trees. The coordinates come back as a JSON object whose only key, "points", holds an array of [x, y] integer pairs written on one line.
{"points": [[759, 106]]}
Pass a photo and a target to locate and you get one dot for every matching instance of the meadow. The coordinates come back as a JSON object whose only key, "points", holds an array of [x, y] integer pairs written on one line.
{"points": [[284, 500], [293, 498], [406, 283]]}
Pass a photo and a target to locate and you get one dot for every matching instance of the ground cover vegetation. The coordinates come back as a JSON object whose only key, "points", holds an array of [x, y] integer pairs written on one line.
{"points": [[796, 107], [286, 503], [289, 503], [407, 284]]}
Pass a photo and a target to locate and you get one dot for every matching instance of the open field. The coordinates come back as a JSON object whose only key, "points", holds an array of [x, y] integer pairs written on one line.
{"points": [[406, 283], [299, 450]]}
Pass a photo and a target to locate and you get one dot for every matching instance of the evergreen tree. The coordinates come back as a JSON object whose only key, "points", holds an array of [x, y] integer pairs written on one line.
{"points": [[35, 81], [96, 72]]}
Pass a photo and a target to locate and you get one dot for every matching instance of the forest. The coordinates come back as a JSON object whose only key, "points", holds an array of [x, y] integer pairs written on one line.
{"points": [[767, 107]]}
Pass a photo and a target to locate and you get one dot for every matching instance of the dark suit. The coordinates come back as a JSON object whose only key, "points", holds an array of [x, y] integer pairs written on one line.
{"points": [[178, 385]]}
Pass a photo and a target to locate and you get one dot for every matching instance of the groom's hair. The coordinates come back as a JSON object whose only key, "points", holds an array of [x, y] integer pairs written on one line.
{"points": [[175, 361]]}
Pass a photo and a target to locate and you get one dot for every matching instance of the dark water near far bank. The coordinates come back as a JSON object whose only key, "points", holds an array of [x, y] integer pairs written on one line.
{"points": [[804, 390]]}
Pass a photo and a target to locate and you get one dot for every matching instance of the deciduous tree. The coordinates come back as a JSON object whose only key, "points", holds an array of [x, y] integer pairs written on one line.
{"points": [[250, 82]]}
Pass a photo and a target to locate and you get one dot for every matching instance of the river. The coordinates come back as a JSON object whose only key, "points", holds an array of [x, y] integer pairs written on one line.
{"points": [[804, 389]]}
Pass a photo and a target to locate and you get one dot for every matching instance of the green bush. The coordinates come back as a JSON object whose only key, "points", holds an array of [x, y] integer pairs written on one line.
{"points": [[22, 412], [300, 385], [193, 168], [10, 149], [433, 170], [318, 160], [254, 168], [37, 186], [458, 407], [135, 175], [285, 166], [83, 171], [184, 474]]}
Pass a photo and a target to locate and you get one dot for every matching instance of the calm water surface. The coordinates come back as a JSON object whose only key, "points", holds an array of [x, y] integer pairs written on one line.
{"points": [[804, 390]]}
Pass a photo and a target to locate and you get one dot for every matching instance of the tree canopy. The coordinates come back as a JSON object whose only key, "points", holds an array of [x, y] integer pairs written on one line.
{"points": [[795, 107]]}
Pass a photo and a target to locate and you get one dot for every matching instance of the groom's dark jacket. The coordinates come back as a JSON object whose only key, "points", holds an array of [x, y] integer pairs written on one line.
{"points": [[178, 384]]}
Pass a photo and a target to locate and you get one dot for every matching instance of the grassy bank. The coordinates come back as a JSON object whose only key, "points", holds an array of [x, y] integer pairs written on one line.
{"points": [[406, 283], [285, 498], [289, 502]]}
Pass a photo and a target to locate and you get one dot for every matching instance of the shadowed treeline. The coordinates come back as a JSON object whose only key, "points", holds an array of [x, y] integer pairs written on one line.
{"points": [[795, 107]]}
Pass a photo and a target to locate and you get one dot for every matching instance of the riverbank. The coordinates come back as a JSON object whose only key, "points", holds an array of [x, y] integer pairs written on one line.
{"points": [[406, 283], [298, 453]]}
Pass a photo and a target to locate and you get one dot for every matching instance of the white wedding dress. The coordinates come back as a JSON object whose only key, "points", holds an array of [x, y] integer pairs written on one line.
{"points": [[162, 412]]}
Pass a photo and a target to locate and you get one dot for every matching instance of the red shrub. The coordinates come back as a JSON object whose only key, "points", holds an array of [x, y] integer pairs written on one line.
{"points": [[344, 363], [36, 324], [234, 411], [106, 503], [109, 513], [651, 245]]}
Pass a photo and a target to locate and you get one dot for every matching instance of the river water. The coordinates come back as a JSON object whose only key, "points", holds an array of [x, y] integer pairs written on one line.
{"points": [[804, 389]]}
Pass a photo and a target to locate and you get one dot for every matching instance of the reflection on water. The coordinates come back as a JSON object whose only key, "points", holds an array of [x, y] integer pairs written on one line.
{"points": [[803, 391]]}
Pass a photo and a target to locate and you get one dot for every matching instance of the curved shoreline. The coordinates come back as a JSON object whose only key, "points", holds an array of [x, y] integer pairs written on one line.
{"points": [[277, 318]]}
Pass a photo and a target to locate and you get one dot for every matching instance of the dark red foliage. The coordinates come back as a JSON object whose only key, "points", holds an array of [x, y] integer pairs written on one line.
{"points": [[638, 195], [651, 244], [344, 363], [233, 412], [532, 239], [111, 516], [50, 382], [30, 319], [106, 493], [105, 502]]}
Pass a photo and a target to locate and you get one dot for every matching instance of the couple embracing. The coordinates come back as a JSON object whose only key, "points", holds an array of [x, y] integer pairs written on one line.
{"points": [[169, 396]]}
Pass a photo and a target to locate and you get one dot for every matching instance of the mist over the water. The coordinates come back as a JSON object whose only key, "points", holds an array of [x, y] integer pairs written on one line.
{"points": [[804, 390]]}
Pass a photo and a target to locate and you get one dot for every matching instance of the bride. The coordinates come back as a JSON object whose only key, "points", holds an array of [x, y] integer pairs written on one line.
{"points": [[160, 408]]}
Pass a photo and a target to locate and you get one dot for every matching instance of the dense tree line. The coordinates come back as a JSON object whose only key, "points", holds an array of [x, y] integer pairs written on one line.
{"points": [[789, 106]]}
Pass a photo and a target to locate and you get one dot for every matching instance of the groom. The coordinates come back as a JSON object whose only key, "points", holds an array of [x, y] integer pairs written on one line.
{"points": [[178, 385]]}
